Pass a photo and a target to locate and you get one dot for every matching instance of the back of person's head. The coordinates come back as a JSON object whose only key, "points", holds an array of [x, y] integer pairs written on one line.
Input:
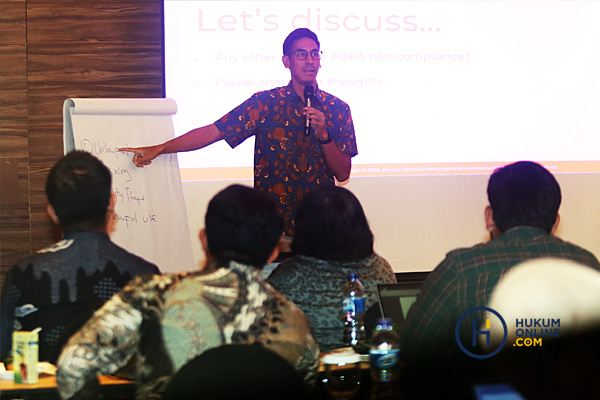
{"points": [[243, 224], [524, 194], [331, 225], [553, 302], [548, 289], [78, 188], [299, 33]]}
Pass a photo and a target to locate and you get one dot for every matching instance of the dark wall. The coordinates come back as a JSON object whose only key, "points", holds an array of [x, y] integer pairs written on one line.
{"points": [[51, 50]]}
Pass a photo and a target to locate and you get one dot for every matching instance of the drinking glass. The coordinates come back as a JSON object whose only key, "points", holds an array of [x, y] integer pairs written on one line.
{"points": [[342, 375]]}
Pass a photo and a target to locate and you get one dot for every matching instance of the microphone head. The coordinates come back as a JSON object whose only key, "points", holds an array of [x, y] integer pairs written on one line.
{"points": [[309, 92]]}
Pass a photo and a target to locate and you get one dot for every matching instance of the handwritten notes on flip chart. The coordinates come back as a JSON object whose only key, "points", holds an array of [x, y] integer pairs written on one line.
{"points": [[150, 215]]}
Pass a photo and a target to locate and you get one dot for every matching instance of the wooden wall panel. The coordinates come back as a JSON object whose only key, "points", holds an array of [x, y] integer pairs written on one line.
{"points": [[14, 64], [14, 198], [15, 238], [45, 148], [94, 21], [52, 50], [13, 88], [13, 67], [86, 66], [13, 22]]}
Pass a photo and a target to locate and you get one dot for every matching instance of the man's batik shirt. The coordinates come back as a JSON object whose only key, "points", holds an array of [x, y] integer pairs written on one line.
{"points": [[287, 163], [170, 319]]}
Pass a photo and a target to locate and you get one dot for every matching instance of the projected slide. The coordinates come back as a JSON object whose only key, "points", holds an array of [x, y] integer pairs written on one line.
{"points": [[453, 87]]}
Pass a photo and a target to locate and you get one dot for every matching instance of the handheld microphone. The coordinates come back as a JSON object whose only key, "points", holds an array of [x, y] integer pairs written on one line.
{"points": [[309, 92]]}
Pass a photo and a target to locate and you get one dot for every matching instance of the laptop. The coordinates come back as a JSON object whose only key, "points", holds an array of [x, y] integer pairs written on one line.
{"points": [[395, 299]]}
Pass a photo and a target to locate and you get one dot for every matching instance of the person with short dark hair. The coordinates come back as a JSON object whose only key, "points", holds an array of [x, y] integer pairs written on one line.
{"points": [[332, 240], [170, 319], [523, 194], [78, 188], [240, 225], [61, 285], [522, 216], [288, 162]]}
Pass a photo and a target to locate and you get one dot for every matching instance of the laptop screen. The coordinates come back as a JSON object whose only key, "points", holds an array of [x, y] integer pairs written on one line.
{"points": [[395, 299]]}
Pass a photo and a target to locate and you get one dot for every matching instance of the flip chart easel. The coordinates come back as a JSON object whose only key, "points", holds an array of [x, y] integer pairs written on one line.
{"points": [[150, 215]]}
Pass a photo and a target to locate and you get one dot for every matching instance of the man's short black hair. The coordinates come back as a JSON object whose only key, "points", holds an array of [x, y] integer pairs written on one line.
{"points": [[524, 194], [243, 224], [295, 35], [331, 225], [78, 188]]}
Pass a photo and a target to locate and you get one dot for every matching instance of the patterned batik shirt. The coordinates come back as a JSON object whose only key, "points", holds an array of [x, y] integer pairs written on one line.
{"points": [[168, 320], [287, 163], [60, 286], [315, 286], [466, 279]]}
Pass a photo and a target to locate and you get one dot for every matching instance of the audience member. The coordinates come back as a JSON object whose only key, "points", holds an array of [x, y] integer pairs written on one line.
{"points": [[521, 218], [332, 240], [170, 319], [60, 286], [555, 302]]}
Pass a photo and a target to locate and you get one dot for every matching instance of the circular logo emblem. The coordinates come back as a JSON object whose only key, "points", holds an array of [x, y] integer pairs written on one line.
{"points": [[475, 332]]}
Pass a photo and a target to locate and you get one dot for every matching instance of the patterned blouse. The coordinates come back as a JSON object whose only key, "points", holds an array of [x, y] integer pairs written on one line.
{"points": [[315, 286], [287, 163], [168, 320]]}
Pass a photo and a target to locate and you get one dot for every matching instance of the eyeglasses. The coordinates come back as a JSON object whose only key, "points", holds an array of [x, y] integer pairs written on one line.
{"points": [[314, 54]]}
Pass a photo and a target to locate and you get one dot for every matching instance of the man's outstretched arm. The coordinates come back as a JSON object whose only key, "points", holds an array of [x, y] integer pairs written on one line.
{"points": [[193, 140]]}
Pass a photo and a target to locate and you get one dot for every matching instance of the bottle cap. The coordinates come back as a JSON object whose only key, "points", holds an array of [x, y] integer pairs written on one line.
{"points": [[352, 277], [384, 322]]}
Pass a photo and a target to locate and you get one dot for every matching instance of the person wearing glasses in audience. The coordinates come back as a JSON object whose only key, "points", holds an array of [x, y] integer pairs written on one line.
{"points": [[298, 147]]}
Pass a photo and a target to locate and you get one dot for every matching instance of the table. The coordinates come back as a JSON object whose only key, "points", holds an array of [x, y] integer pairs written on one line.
{"points": [[112, 388], [367, 389], [412, 385]]}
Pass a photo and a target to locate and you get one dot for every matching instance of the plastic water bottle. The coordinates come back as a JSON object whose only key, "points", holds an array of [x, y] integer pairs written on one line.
{"points": [[353, 306], [385, 353]]}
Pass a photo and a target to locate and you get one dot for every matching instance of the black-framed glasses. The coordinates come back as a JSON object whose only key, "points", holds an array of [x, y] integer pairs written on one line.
{"points": [[314, 54]]}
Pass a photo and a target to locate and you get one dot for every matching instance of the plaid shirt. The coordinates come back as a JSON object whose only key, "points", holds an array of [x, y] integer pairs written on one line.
{"points": [[466, 279], [287, 163]]}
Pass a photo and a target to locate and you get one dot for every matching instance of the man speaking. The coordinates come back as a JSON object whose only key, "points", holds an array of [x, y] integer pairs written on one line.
{"points": [[301, 141]]}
